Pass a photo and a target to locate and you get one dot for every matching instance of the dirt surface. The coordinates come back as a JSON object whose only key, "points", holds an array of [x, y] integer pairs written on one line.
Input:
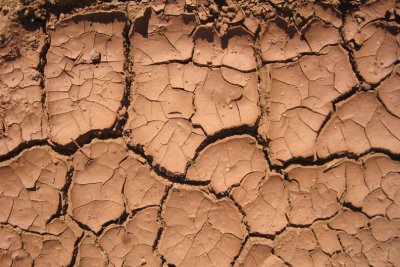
{"points": [[199, 133]]}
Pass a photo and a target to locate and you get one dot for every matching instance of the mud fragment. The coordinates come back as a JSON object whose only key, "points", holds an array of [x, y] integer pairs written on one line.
{"points": [[264, 202], [128, 244], [227, 162], [300, 100], [89, 253], [84, 75], [109, 181], [378, 50], [258, 252], [54, 248], [176, 103], [359, 124], [199, 229], [132, 243], [389, 93], [21, 116], [315, 193], [359, 18], [282, 40], [31, 188], [326, 11], [293, 246]]}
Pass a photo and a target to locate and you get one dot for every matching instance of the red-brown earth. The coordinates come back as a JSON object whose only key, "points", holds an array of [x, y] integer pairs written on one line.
{"points": [[199, 133]]}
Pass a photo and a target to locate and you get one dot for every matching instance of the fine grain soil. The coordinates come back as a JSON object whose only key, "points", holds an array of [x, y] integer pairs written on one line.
{"points": [[199, 133]]}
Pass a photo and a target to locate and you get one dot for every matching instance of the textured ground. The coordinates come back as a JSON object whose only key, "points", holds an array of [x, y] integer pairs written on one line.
{"points": [[199, 133]]}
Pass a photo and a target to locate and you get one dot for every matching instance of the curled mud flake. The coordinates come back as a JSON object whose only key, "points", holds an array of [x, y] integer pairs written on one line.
{"points": [[58, 248], [257, 252], [294, 246], [235, 51], [272, 261], [252, 23], [358, 19], [157, 5], [375, 252], [95, 193], [320, 258], [13, 252], [281, 41], [381, 242], [31, 186], [162, 92], [389, 93], [378, 51], [359, 124], [319, 35], [171, 144], [174, 7], [208, 47], [356, 187], [54, 248], [367, 185], [21, 117], [342, 259], [393, 212], [381, 171], [226, 99], [383, 229], [264, 202], [84, 75], [131, 244], [327, 238], [314, 193], [142, 187], [301, 98], [305, 11], [348, 221], [227, 162], [89, 253], [377, 203], [199, 230], [107, 179], [172, 42], [240, 53], [353, 250], [328, 13]]}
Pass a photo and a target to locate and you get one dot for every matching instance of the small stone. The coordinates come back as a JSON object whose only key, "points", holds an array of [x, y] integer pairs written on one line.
{"points": [[5, 10], [231, 15], [95, 56], [365, 86]]}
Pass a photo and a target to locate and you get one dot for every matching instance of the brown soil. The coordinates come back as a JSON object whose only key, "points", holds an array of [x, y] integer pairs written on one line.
{"points": [[199, 133]]}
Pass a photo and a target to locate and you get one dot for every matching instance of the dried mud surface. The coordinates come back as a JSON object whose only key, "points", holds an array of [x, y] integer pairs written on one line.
{"points": [[199, 133]]}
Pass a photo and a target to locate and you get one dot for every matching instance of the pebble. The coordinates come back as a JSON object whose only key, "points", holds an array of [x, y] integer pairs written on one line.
{"points": [[95, 56], [365, 86], [5, 10]]}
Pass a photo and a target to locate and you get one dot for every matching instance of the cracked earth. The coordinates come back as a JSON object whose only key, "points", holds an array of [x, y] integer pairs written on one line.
{"points": [[199, 133]]}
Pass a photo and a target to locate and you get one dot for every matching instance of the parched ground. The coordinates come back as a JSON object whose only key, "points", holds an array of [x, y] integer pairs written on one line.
{"points": [[199, 133]]}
